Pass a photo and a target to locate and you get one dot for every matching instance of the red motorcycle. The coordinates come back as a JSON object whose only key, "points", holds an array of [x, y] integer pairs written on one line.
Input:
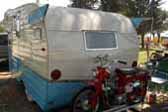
{"points": [[111, 88]]}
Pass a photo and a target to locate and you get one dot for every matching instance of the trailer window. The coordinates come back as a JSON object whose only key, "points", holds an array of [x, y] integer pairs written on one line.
{"points": [[37, 34], [100, 40], [27, 33]]}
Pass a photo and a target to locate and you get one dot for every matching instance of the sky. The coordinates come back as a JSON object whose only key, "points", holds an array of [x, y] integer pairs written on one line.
{"points": [[10, 4], [165, 5]]}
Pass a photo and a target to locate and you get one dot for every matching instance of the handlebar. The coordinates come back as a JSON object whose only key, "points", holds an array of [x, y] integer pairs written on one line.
{"points": [[122, 62], [105, 61]]}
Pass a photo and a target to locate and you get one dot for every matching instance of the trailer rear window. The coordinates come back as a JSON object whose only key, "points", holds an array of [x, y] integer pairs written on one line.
{"points": [[100, 40]]}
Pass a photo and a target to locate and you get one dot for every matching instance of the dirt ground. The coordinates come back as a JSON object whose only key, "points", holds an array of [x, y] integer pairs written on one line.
{"points": [[13, 98]]}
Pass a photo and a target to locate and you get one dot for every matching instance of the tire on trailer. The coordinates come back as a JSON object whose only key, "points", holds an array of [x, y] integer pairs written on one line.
{"points": [[28, 96]]}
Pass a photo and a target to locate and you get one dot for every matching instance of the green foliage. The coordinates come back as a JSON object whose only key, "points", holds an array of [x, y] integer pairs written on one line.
{"points": [[111, 5], [2, 29], [136, 8], [147, 9], [86, 4]]}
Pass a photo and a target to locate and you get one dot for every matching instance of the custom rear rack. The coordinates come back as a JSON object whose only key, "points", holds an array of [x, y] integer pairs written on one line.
{"points": [[123, 108]]}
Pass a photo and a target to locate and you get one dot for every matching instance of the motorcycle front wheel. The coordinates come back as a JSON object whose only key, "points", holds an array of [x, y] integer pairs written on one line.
{"points": [[86, 101]]}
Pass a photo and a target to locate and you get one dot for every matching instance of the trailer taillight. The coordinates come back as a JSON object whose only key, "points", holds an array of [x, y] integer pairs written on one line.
{"points": [[55, 74]]}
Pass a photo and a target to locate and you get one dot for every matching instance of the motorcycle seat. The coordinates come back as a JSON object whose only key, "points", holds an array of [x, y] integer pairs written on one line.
{"points": [[128, 71]]}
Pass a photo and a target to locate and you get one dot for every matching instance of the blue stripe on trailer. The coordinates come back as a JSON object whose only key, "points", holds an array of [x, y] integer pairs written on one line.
{"points": [[14, 64], [67, 91], [47, 94], [36, 87], [50, 94]]}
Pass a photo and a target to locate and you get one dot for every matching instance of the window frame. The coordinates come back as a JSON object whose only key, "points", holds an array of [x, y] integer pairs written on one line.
{"points": [[100, 49], [40, 35]]}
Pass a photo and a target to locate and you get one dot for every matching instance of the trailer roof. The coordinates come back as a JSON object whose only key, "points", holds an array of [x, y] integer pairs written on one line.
{"points": [[75, 19], [23, 8]]}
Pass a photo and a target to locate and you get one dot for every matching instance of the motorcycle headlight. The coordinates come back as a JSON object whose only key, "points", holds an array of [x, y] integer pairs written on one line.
{"points": [[136, 84]]}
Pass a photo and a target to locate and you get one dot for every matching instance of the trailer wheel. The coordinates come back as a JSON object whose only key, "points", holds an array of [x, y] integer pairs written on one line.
{"points": [[29, 97], [86, 101]]}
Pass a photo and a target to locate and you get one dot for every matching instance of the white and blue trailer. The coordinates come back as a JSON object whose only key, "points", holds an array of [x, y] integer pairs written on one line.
{"points": [[53, 48]]}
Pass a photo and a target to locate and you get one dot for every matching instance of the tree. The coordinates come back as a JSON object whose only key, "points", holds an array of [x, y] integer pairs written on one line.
{"points": [[158, 17], [86, 4], [159, 24], [104, 5], [111, 5], [146, 9]]}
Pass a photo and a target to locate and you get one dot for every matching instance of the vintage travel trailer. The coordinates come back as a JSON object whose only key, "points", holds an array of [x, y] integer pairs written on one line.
{"points": [[54, 49]]}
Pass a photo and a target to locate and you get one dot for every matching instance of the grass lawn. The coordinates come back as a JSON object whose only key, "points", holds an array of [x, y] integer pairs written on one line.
{"points": [[142, 58]]}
